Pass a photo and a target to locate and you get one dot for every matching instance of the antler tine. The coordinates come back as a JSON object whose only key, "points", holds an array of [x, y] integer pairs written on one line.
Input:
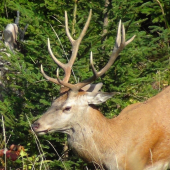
{"points": [[119, 46], [49, 78], [65, 67], [76, 43], [67, 29], [52, 55], [92, 65], [118, 38]]}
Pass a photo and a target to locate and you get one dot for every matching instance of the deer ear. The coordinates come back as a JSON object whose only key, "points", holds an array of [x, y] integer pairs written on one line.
{"points": [[98, 98]]}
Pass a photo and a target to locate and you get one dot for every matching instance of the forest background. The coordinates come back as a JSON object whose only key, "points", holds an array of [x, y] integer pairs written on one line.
{"points": [[140, 72]]}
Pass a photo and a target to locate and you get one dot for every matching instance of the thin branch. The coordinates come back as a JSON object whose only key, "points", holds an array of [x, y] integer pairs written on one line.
{"points": [[3, 127], [74, 19], [6, 10], [163, 13], [57, 154]]}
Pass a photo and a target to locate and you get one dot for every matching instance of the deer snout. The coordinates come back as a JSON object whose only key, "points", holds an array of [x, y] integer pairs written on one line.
{"points": [[35, 126]]}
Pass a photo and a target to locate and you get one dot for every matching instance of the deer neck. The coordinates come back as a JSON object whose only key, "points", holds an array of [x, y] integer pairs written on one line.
{"points": [[89, 134]]}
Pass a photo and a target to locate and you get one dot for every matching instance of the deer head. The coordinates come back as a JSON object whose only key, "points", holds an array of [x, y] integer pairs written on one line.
{"points": [[76, 99]]}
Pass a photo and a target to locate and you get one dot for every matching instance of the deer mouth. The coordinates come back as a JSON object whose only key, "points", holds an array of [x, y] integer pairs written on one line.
{"points": [[42, 132]]}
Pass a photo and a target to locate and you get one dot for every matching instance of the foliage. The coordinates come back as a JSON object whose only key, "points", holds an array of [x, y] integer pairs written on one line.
{"points": [[141, 71]]}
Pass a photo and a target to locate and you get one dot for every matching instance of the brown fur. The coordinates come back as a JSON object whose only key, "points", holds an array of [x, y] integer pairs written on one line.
{"points": [[141, 130], [135, 140]]}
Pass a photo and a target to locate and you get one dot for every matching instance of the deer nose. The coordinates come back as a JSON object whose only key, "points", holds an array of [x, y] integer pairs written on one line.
{"points": [[35, 125]]}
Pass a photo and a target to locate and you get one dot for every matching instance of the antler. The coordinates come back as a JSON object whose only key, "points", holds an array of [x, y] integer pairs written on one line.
{"points": [[119, 46], [68, 66]]}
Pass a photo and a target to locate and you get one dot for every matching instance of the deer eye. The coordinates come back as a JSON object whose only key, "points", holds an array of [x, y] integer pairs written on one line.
{"points": [[68, 108]]}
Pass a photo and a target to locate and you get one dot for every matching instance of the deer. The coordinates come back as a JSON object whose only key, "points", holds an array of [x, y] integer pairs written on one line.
{"points": [[11, 32], [137, 139], [10, 36]]}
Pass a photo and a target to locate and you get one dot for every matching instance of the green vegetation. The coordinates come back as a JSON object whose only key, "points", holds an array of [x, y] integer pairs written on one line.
{"points": [[141, 71]]}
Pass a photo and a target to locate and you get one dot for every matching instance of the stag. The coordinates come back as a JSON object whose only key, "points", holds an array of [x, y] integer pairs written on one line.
{"points": [[137, 139]]}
